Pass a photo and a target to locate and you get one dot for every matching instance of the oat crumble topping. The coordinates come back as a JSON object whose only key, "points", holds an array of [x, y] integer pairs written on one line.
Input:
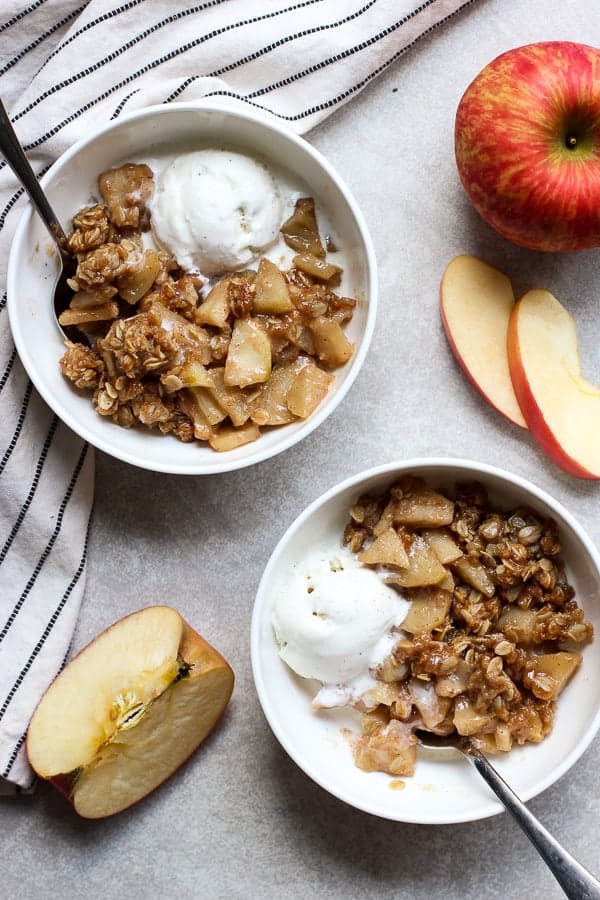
{"points": [[257, 349], [494, 632]]}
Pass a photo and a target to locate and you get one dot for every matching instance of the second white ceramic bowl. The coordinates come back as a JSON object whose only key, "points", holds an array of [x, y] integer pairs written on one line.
{"points": [[442, 790], [71, 184]]}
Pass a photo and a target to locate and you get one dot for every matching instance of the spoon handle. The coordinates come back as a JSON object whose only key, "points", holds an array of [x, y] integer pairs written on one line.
{"points": [[11, 147], [573, 878]]}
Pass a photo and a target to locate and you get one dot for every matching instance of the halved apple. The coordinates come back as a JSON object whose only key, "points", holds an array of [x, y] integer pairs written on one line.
{"points": [[562, 409], [127, 711], [476, 301]]}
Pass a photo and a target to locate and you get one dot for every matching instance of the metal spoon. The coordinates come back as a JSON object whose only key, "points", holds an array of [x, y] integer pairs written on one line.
{"points": [[573, 878], [12, 149]]}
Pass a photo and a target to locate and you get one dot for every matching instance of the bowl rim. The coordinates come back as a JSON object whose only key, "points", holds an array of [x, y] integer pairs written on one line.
{"points": [[221, 463], [400, 466]]}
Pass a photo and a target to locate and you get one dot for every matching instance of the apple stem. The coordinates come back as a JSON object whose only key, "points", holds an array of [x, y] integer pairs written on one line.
{"points": [[571, 142]]}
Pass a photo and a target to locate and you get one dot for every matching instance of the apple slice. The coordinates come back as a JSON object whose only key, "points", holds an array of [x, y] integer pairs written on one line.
{"points": [[476, 301], [562, 408], [126, 712]]}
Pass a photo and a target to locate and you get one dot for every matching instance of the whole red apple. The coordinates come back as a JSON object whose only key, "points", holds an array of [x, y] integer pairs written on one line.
{"points": [[527, 142]]}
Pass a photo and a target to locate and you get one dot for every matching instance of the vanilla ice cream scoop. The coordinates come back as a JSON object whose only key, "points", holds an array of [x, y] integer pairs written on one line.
{"points": [[215, 210], [331, 615]]}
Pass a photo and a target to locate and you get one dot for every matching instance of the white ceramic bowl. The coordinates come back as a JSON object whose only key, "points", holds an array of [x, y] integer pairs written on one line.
{"points": [[443, 789], [71, 183]]}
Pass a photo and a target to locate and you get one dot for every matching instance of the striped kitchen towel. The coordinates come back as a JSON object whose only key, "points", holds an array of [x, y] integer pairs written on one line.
{"points": [[67, 66]]}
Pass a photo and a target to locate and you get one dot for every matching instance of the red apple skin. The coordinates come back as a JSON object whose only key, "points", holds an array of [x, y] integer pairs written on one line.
{"points": [[64, 784], [512, 131], [534, 416], [467, 373]]}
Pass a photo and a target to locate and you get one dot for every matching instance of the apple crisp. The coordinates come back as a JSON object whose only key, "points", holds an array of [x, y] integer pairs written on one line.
{"points": [[217, 362], [493, 633]]}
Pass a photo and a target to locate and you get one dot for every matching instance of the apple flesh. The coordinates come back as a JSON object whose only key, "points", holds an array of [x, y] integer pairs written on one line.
{"points": [[127, 711], [476, 302], [562, 409], [527, 144]]}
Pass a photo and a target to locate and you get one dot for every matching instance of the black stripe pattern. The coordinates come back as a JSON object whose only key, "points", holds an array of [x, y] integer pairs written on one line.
{"points": [[55, 615], [18, 428], [56, 26], [21, 15]]}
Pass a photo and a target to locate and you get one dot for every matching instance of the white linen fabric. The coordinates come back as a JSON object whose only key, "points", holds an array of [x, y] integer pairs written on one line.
{"points": [[66, 67]]}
